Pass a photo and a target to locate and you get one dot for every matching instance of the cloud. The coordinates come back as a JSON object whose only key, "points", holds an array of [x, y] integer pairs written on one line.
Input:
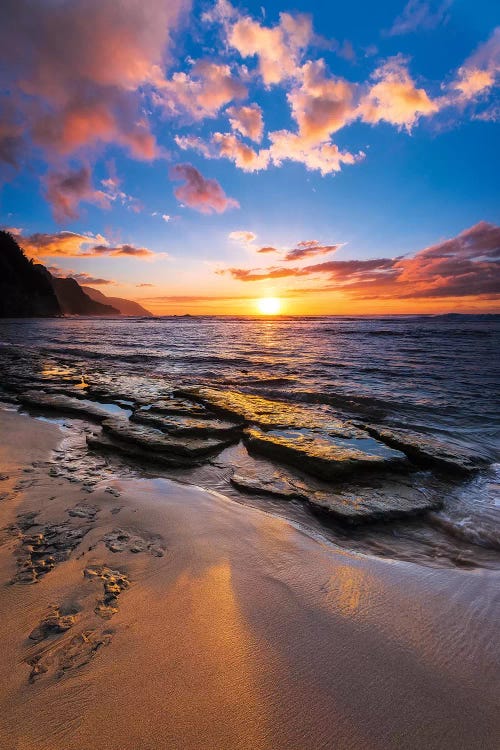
{"points": [[144, 285], [464, 266], [245, 158], [321, 105], [267, 249], [65, 191], [278, 48], [308, 249], [480, 71], [420, 14], [227, 146], [394, 97], [323, 157], [186, 142], [80, 83], [200, 93], [74, 245], [114, 193], [123, 250], [247, 120], [242, 236], [82, 278], [204, 195]]}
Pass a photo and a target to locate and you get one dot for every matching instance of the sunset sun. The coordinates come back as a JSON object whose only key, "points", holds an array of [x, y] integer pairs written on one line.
{"points": [[269, 306]]}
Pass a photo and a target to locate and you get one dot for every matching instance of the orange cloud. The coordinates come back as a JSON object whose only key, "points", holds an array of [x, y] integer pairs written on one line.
{"points": [[242, 236], [324, 157], [394, 97], [74, 245], [464, 266], [204, 195], [480, 71], [245, 158]]}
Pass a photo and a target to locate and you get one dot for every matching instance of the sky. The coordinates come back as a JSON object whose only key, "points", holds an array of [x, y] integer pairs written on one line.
{"points": [[200, 156]]}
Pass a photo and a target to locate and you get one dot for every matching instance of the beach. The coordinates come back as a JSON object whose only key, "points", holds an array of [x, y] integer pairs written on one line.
{"points": [[173, 617]]}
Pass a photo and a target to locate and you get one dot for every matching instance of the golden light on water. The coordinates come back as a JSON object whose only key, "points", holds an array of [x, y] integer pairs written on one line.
{"points": [[269, 306]]}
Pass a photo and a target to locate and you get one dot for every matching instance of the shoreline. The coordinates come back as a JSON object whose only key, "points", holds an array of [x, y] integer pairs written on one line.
{"points": [[230, 627]]}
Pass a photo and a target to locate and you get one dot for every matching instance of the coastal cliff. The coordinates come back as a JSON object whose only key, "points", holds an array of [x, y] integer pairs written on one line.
{"points": [[74, 301], [25, 291], [124, 306]]}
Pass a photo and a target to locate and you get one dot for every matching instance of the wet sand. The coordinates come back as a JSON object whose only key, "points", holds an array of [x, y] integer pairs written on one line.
{"points": [[171, 617]]}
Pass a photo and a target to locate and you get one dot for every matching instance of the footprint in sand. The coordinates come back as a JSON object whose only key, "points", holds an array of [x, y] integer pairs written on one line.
{"points": [[63, 656], [65, 651], [114, 582]]}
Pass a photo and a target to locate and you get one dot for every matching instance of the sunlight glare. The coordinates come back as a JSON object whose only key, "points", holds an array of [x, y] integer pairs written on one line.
{"points": [[269, 305]]}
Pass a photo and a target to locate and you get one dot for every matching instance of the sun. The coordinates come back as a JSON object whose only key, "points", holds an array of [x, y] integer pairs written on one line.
{"points": [[269, 305]]}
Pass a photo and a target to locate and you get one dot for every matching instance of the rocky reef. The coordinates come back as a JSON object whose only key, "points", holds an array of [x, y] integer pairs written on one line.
{"points": [[354, 472]]}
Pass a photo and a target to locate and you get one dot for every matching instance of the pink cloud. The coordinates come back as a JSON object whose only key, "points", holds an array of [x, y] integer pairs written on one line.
{"points": [[204, 195], [321, 105], [309, 249], [277, 48], [81, 277], [65, 191], [79, 84], [247, 121], [200, 93]]}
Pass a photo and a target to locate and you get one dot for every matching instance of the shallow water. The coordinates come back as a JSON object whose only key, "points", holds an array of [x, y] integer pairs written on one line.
{"points": [[437, 375]]}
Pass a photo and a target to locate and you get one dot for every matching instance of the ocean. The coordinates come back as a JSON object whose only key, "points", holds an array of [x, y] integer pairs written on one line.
{"points": [[434, 375]]}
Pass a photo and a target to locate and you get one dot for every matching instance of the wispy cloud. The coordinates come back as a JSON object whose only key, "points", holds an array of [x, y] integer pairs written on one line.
{"points": [[420, 15]]}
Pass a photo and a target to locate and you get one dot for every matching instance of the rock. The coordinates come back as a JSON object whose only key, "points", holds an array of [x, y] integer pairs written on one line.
{"points": [[134, 451], [255, 410], [161, 443], [429, 451], [380, 498], [391, 497], [65, 404], [323, 455], [182, 407], [186, 425], [274, 484]]}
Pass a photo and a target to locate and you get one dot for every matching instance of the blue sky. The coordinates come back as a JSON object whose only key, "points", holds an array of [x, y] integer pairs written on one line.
{"points": [[408, 91]]}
